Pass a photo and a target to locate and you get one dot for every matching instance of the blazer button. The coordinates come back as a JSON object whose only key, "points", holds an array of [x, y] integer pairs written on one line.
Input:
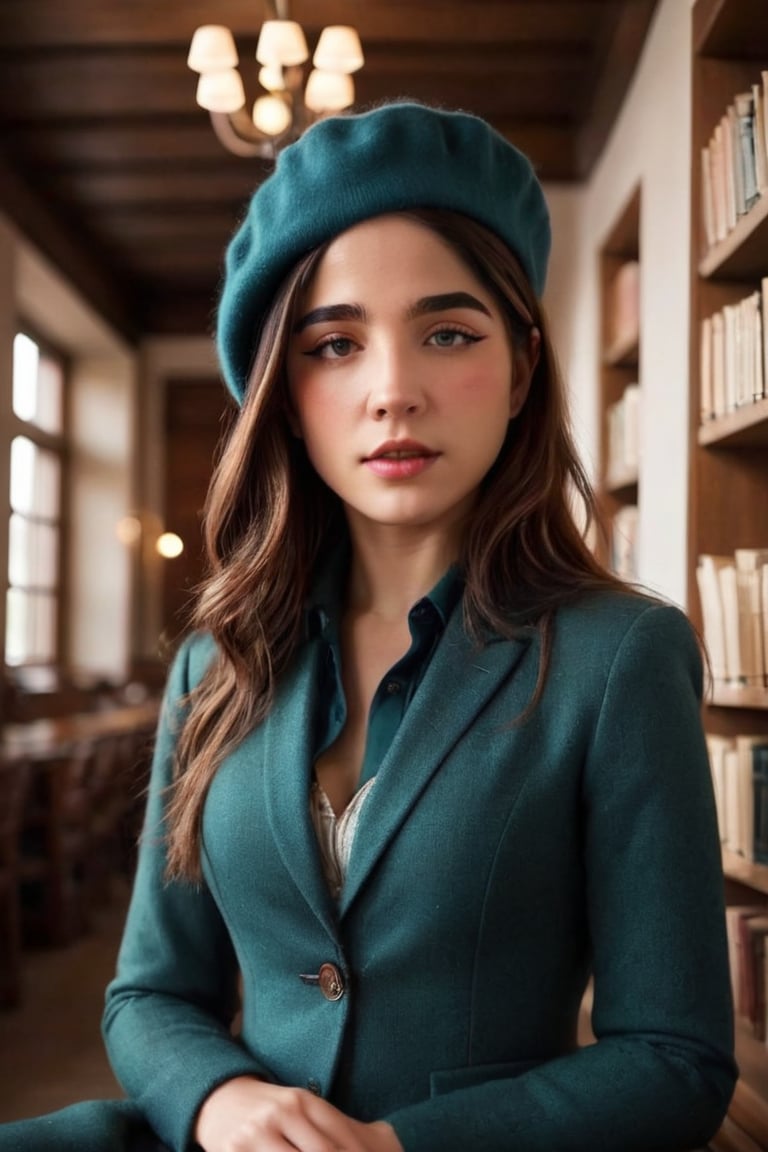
{"points": [[331, 982]]}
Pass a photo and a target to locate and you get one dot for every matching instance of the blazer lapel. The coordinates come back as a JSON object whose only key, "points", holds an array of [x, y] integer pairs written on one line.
{"points": [[288, 734], [434, 722]]}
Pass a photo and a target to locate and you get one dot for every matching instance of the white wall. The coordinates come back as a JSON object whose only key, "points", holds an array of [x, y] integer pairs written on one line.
{"points": [[100, 577], [650, 145]]}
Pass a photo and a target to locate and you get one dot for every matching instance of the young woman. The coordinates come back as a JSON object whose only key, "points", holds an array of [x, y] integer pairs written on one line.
{"points": [[424, 765]]}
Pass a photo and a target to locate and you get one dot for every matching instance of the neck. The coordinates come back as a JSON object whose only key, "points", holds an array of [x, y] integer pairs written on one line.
{"points": [[391, 570]]}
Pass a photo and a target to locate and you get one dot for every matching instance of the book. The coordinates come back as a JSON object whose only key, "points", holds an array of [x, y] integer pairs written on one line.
{"points": [[745, 127], [710, 596], [750, 563], [746, 819], [717, 747], [624, 303], [719, 182], [707, 198], [718, 364], [761, 151], [729, 595], [624, 542], [706, 393], [754, 932], [734, 915], [760, 784]]}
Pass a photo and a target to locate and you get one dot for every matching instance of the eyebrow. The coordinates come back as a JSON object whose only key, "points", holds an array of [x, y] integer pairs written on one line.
{"points": [[444, 303], [427, 304], [328, 313]]}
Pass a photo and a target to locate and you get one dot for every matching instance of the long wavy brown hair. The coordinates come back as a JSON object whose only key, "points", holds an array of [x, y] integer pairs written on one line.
{"points": [[269, 519]]}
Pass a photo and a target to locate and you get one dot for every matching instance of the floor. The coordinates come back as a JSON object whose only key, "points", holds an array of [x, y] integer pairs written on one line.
{"points": [[51, 1052]]}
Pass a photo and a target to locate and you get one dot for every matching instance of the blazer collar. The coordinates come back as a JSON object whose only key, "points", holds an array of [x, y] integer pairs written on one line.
{"points": [[435, 721]]}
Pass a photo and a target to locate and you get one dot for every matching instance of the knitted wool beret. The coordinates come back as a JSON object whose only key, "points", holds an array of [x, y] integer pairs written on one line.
{"points": [[346, 169]]}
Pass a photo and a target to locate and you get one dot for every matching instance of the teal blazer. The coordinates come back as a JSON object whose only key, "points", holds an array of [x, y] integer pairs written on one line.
{"points": [[496, 865]]}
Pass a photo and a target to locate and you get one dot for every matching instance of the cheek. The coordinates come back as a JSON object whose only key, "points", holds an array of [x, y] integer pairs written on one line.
{"points": [[484, 386]]}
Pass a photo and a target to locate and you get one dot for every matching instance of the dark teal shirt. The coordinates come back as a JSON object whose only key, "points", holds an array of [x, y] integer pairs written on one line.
{"points": [[426, 622]]}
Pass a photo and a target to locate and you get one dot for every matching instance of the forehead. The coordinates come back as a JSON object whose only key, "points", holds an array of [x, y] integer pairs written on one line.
{"points": [[390, 255]]}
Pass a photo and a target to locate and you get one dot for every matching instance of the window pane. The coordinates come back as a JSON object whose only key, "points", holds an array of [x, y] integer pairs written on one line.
{"points": [[38, 384], [30, 627], [35, 479], [33, 558], [26, 357]]}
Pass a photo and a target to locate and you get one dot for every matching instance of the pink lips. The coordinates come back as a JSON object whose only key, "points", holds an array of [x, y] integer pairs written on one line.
{"points": [[400, 459]]}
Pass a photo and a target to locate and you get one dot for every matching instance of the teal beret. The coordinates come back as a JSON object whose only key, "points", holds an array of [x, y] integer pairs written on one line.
{"points": [[346, 169]]}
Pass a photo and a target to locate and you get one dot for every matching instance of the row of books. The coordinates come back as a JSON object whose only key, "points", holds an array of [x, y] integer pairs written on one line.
{"points": [[739, 766], [747, 928], [733, 591], [734, 355], [734, 164], [623, 429], [624, 542], [623, 299]]}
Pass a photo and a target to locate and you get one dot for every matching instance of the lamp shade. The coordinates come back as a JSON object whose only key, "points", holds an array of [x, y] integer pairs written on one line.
{"points": [[271, 115], [212, 49], [329, 91], [338, 49], [281, 42], [221, 91]]}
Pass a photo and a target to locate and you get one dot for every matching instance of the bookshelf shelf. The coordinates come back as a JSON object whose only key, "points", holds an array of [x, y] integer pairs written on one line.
{"points": [[743, 255], [624, 352], [725, 696], [747, 426], [728, 495], [619, 480], [619, 392], [753, 875]]}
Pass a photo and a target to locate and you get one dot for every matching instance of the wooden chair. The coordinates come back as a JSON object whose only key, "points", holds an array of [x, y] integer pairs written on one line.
{"points": [[107, 805], [55, 854], [14, 780], [137, 761]]}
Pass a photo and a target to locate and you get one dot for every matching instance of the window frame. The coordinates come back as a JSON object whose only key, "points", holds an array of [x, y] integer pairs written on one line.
{"points": [[59, 444]]}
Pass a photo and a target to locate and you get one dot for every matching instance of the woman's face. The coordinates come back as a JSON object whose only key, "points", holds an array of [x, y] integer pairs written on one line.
{"points": [[402, 376]]}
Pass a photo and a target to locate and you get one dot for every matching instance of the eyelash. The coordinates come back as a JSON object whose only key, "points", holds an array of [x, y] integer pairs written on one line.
{"points": [[331, 339]]}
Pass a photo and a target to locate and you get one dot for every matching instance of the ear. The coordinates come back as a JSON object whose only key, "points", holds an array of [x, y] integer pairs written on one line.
{"points": [[524, 366]]}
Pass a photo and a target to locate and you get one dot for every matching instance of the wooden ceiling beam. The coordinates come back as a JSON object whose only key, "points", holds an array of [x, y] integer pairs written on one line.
{"points": [[620, 57], [92, 87], [62, 241], [99, 23], [210, 186]]}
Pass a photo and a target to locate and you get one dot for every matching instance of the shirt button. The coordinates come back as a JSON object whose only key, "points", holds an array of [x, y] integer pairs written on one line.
{"points": [[393, 687], [313, 1087], [331, 982]]}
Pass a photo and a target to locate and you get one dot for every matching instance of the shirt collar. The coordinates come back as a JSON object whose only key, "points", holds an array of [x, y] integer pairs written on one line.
{"points": [[323, 604]]}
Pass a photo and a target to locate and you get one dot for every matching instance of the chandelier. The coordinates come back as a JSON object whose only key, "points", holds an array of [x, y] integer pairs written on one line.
{"points": [[286, 105]]}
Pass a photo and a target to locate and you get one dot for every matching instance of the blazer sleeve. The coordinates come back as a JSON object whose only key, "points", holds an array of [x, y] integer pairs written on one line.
{"points": [[661, 1073], [169, 1008]]}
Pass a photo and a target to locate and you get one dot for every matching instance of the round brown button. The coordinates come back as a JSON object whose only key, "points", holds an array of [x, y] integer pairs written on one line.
{"points": [[331, 982]]}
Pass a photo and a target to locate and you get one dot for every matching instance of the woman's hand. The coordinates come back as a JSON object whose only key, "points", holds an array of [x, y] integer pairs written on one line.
{"points": [[250, 1115]]}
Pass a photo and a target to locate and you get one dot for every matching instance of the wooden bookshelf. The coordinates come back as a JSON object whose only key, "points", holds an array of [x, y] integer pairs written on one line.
{"points": [[746, 427], [619, 367], [728, 504]]}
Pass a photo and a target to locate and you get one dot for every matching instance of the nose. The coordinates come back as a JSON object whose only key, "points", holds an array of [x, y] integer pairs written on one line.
{"points": [[395, 388]]}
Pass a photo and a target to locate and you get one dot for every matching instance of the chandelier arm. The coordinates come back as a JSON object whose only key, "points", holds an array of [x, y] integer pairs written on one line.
{"points": [[238, 135]]}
